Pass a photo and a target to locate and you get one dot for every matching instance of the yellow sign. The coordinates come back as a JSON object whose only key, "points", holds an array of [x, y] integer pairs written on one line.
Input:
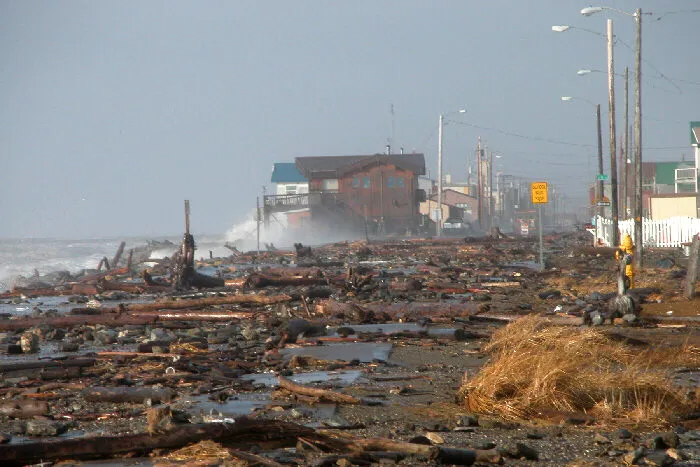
{"points": [[538, 192]]}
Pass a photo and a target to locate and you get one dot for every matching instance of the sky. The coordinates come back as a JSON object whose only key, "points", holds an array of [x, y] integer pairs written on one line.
{"points": [[112, 113]]}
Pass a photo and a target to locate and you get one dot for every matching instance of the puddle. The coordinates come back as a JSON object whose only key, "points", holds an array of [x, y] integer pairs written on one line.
{"points": [[241, 404], [689, 379], [340, 378], [247, 403], [59, 303], [394, 328], [523, 265], [363, 351]]}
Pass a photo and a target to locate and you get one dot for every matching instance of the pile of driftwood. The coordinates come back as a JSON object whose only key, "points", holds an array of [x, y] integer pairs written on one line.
{"points": [[241, 434]]}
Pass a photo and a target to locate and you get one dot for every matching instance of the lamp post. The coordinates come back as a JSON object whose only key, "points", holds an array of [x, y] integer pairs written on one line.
{"points": [[438, 224], [600, 192], [638, 208]]}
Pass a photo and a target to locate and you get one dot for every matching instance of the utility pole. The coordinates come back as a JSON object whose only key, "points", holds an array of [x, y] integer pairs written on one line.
{"points": [[480, 191], [257, 221], [626, 149], [491, 204], [613, 143], [438, 224], [638, 209], [601, 191]]}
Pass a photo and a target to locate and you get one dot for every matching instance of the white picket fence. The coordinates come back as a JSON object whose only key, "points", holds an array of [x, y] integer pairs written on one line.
{"points": [[666, 233]]}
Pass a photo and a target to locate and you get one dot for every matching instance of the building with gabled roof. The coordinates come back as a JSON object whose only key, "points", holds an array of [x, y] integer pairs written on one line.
{"points": [[379, 191]]}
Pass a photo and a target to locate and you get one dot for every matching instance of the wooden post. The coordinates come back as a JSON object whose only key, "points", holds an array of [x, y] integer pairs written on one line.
{"points": [[118, 254], [257, 222], [187, 217], [692, 275]]}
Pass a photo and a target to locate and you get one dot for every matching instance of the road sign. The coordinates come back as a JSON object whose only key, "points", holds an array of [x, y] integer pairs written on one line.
{"points": [[603, 203], [538, 192], [602, 177]]}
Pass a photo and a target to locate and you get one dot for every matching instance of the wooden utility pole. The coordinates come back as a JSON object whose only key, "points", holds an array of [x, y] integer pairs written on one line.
{"points": [[491, 203], [626, 147], [601, 188], [257, 221], [187, 217], [638, 208], [480, 191], [613, 142]]}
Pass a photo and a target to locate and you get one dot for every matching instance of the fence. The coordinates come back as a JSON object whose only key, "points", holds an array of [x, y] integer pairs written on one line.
{"points": [[665, 233]]}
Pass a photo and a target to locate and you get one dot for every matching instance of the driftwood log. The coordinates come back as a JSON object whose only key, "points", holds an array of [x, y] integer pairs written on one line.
{"points": [[242, 431], [125, 394], [322, 394], [260, 280]]}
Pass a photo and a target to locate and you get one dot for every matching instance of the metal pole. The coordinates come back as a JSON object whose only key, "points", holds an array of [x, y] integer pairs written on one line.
{"points": [[438, 224], [626, 150], [539, 223], [613, 142], [638, 207]]}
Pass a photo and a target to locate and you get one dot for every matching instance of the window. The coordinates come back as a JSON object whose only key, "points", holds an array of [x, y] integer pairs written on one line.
{"points": [[390, 182], [291, 189], [356, 182], [330, 184], [365, 182], [399, 182]]}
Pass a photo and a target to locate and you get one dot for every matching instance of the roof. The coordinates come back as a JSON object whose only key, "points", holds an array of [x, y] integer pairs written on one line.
{"points": [[454, 197], [666, 171], [336, 166], [286, 172]]}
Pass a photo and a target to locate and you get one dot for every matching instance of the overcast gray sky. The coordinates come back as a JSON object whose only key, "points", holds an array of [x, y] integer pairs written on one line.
{"points": [[114, 112]]}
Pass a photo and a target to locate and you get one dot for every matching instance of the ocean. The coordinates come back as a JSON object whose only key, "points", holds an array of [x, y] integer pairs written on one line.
{"points": [[22, 257]]}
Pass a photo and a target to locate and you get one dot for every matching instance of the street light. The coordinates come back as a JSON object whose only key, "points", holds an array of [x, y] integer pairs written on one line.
{"points": [[438, 224], [637, 212], [566, 27], [600, 195], [586, 71]]}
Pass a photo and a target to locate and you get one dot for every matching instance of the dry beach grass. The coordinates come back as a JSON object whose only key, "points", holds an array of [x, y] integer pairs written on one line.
{"points": [[537, 368]]}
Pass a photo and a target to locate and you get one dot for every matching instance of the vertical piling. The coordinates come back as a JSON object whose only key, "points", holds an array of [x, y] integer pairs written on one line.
{"points": [[692, 275]]}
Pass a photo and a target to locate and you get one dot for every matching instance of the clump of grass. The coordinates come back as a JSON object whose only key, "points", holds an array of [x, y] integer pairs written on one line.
{"points": [[206, 450], [537, 368]]}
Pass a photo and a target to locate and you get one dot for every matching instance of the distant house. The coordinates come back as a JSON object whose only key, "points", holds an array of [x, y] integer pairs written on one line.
{"points": [[454, 204], [661, 178], [351, 191], [665, 206], [288, 179]]}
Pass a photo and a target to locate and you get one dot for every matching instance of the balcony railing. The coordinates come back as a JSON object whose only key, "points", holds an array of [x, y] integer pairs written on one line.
{"points": [[287, 202]]}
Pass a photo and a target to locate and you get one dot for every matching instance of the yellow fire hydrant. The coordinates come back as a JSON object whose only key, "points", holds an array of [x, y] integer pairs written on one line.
{"points": [[626, 251]]}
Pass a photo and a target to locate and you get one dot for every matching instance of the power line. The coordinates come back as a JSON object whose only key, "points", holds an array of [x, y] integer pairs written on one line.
{"points": [[516, 135]]}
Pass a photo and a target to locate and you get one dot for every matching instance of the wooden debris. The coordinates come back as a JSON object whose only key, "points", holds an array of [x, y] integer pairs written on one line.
{"points": [[243, 430], [322, 394]]}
